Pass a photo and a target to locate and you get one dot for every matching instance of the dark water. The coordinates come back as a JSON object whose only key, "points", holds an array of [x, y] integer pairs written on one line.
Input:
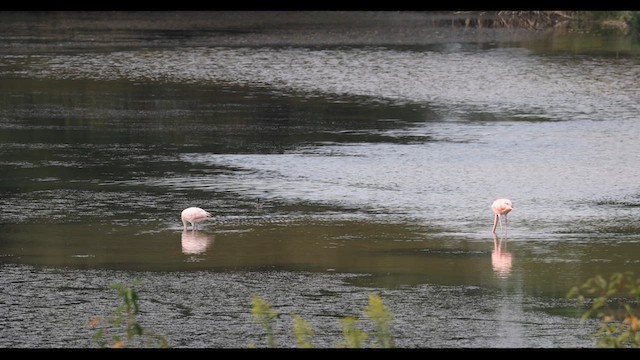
{"points": [[376, 141]]}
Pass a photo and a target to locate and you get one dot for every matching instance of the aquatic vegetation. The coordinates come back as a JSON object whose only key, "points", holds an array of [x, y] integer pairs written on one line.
{"points": [[354, 337], [124, 319], [616, 303]]}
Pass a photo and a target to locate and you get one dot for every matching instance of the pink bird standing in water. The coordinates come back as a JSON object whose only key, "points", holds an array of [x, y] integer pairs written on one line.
{"points": [[501, 207], [193, 215]]}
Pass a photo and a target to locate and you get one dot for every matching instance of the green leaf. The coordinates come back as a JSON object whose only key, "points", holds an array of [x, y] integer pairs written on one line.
{"points": [[302, 330], [353, 337]]}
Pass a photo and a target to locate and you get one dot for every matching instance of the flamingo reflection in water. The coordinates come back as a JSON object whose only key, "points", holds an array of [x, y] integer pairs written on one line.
{"points": [[195, 242], [500, 257]]}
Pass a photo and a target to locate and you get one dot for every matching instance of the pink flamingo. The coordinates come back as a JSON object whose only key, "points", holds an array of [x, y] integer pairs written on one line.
{"points": [[193, 215], [501, 207]]}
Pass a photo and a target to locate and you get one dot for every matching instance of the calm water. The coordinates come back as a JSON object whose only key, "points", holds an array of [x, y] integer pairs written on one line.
{"points": [[377, 142]]}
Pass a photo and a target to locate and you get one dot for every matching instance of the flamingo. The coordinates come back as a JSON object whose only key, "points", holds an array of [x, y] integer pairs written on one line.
{"points": [[193, 215], [501, 207]]}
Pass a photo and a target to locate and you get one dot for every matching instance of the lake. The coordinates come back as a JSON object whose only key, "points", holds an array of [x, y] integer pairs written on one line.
{"points": [[376, 142]]}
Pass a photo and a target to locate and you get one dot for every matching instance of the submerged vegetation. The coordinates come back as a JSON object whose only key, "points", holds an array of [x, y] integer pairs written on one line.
{"points": [[615, 302]]}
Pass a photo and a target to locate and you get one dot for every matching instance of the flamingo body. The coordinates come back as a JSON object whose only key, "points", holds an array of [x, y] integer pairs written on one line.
{"points": [[500, 207], [193, 215]]}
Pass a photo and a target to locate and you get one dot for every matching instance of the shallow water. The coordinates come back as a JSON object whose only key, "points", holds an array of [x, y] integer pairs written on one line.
{"points": [[376, 161], [212, 309]]}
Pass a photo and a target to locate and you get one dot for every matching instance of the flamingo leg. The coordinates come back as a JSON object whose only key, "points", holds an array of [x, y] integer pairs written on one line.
{"points": [[500, 221], [495, 223]]}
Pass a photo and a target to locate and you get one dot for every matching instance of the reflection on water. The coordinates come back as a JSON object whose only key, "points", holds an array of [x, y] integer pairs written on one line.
{"points": [[195, 242], [372, 159], [500, 257]]}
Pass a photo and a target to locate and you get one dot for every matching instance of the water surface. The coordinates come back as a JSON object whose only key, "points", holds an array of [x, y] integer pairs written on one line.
{"points": [[376, 161]]}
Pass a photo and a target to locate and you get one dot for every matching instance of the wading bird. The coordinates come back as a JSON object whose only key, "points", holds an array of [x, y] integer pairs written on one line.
{"points": [[259, 204], [193, 215], [501, 207]]}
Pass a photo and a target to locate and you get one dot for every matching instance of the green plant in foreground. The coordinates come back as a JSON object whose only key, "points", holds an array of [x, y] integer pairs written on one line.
{"points": [[615, 303], [264, 315], [125, 318], [353, 336], [382, 317], [302, 330]]}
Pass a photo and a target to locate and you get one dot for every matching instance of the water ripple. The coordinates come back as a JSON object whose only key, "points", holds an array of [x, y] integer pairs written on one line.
{"points": [[513, 82]]}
